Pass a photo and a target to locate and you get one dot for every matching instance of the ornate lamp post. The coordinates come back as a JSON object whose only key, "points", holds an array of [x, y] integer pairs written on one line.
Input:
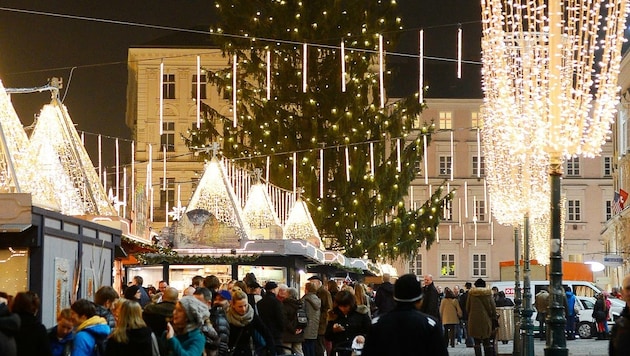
{"points": [[551, 68]]}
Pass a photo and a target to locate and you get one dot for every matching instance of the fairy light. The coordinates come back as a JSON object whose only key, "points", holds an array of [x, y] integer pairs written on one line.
{"points": [[478, 153], [343, 66], [124, 192], [347, 164], [198, 92], [372, 168], [398, 164], [234, 117], [421, 66], [161, 81], [459, 52], [133, 175], [452, 155], [164, 168], [381, 68], [268, 74], [258, 210], [268, 163], [294, 172], [425, 159], [100, 156], [304, 67], [117, 167], [321, 174]]}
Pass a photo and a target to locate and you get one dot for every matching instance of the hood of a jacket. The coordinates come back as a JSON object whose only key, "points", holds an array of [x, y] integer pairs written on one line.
{"points": [[386, 287], [475, 291], [97, 325]]}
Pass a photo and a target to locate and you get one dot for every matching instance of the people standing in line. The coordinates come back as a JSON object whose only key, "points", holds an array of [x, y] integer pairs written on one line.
{"points": [[326, 304], [213, 283], [183, 335], [570, 313], [620, 336], [271, 312], [345, 322], [450, 313], [431, 298], [243, 321], [600, 313], [541, 303], [144, 296], [405, 328], [132, 335], [292, 335], [481, 310], [91, 330], [31, 338], [104, 298], [463, 298], [312, 305], [384, 298], [157, 315], [219, 320], [60, 336]]}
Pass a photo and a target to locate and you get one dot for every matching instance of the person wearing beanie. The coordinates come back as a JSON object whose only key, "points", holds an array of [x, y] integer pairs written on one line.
{"points": [[183, 334], [481, 311], [133, 293], [347, 321], [272, 313], [406, 328]]}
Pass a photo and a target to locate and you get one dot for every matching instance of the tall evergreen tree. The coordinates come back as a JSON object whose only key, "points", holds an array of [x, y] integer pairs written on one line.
{"points": [[362, 210]]}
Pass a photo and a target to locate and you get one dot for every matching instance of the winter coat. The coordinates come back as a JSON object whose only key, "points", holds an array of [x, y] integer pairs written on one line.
{"points": [[620, 337], [313, 306], [90, 332], [61, 347], [290, 307], [357, 322], [384, 299], [570, 310], [155, 316], [324, 296], [32, 337], [222, 327], [139, 344], [107, 314], [272, 314], [402, 330], [450, 311], [9, 326], [481, 310], [542, 301], [241, 336], [430, 301], [188, 344], [504, 302], [599, 310], [462, 298]]}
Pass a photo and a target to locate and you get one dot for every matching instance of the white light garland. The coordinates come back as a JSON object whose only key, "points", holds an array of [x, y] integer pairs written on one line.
{"points": [[343, 66], [381, 69], [234, 67], [198, 92], [421, 66], [161, 92]]}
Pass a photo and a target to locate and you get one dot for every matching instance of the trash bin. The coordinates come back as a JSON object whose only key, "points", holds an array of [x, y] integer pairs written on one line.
{"points": [[506, 323]]}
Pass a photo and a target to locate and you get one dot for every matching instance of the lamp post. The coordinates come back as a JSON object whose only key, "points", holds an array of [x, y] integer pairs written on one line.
{"points": [[550, 73]]}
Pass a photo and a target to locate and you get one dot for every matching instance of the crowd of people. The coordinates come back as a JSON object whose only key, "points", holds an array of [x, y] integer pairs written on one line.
{"points": [[249, 318]]}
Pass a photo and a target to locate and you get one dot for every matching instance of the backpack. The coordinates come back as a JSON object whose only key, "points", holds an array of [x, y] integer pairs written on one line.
{"points": [[211, 336], [302, 318]]}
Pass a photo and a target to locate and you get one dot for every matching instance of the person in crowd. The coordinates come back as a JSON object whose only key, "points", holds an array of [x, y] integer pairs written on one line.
{"points": [[144, 296], [450, 313], [431, 298], [213, 283], [196, 282], [345, 322], [495, 294], [9, 327], [481, 311], [292, 335], [243, 321], [271, 312], [313, 306], [132, 336], [152, 292], [333, 288], [463, 297], [503, 301], [157, 315], [541, 303], [615, 293], [204, 295], [326, 305], [218, 318], [249, 278], [91, 330], [60, 336], [570, 313], [133, 293], [620, 336], [104, 298], [608, 306], [600, 313], [405, 327], [31, 338], [254, 294], [183, 335], [361, 296]]}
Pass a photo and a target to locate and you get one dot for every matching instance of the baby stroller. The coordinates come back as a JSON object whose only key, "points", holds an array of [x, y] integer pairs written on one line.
{"points": [[354, 348]]}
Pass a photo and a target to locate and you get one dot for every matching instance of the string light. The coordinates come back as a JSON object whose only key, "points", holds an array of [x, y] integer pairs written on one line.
{"points": [[304, 67], [161, 91], [198, 92], [343, 66], [234, 65], [421, 66], [381, 69]]}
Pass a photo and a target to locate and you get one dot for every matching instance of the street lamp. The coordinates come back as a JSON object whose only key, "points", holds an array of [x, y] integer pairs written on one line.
{"points": [[551, 68]]}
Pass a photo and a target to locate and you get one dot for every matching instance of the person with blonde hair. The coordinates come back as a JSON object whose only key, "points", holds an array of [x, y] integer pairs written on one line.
{"points": [[60, 336], [361, 296], [131, 335], [243, 321]]}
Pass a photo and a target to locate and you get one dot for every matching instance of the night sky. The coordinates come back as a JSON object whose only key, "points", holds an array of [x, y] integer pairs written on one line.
{"points": [[35, 47]]}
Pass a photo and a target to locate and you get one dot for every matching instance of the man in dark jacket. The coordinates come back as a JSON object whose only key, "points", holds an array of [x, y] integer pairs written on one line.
{"points": [[9, 326], [620, 337], [104, 298], [271, 312], [406, 328], [324, 296], [219, 320], [463, 297], [384, 299], [430, 298], [155, 315]]}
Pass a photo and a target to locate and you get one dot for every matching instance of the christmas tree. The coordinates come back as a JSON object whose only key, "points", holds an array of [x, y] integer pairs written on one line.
{"points": [[355, 158]]}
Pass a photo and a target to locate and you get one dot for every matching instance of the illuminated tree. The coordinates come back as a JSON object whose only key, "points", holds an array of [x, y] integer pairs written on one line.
{"points": [[360, 209]]}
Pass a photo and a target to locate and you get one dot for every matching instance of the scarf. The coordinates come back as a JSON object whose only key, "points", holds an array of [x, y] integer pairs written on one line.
{"points": [[240, 320]]}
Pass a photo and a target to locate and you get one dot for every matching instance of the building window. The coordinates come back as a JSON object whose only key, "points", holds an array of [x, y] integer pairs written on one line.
{"points": [[479, 166], [168, 86], [445, 165], [573, 166], [418, 168], [447, 265], [202, 91], [480, 210], [168, 136], [448, 211], [475, 120], [415, 265], [608, 209], [607, 166], [574, 213], [479, 267], [167, 195], [446, 120]]}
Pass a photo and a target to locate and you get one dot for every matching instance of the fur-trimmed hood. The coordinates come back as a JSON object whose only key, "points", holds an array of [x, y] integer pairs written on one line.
{"points": [[477, 291], [334, 313]]}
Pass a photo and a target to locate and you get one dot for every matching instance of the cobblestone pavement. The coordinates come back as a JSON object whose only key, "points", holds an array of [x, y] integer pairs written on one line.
{"points": [[579, 347]]}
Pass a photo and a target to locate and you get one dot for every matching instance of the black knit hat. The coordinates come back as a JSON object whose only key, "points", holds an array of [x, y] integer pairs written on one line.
{"points": [[407, 289], [480, 283]]}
